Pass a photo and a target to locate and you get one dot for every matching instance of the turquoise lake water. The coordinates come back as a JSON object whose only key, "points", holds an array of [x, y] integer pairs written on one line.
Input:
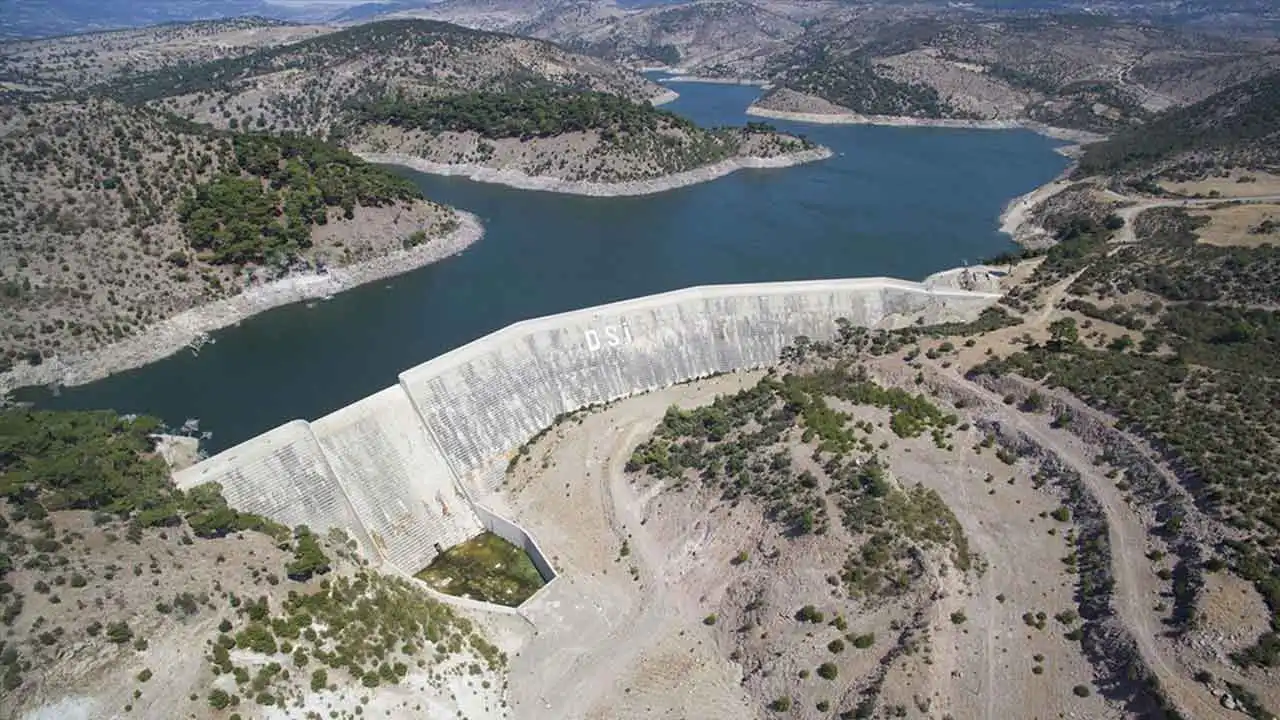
{"points": [[901, 202]]}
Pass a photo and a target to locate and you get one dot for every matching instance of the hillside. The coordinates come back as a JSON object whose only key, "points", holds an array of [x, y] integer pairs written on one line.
{"points": [[727, 37], [313, 86], [420, 91], [571, 136], [1073, 72], [62, 65], [1085, 72], [121, 594], [115, 218], [1236, 128]]}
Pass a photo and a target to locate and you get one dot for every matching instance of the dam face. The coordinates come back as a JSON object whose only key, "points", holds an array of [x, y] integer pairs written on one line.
{"points": [[399, 469]]}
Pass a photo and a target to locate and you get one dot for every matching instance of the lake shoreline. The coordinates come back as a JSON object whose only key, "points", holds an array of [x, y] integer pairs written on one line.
{"points": [[1057, 133], [1015, 219], [182, 330], [522, 181]]}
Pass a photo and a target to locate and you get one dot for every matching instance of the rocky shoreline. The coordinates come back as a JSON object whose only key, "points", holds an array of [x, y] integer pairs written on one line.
{"points": [[664, 98], [1017, 222], [714, 80], [180, 331], [1057, 133], [517, 179]]}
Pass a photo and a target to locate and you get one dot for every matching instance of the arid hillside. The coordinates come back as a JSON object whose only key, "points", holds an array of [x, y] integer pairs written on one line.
{"points": [[1237, 128], [114, 218], [312, 86], [1083, 72], [1073, 72], [124, 597], [64, 64]]}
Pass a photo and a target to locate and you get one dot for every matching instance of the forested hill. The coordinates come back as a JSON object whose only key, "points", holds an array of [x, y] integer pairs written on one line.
{"points": [[537, 112], [1238, 127]]}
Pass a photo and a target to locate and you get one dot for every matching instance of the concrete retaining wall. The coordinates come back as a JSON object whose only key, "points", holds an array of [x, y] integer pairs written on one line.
{"points": [[396, 468], [517, 536]]}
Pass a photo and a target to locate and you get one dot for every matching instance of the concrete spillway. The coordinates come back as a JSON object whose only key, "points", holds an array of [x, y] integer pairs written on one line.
{"points": [[398, 469]]}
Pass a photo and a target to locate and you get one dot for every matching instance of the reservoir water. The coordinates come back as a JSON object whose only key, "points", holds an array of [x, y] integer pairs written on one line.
{"points": [[901, 202]]}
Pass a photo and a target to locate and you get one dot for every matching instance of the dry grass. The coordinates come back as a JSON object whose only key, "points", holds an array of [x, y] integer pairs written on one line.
{"points": [[1235, 184], [1239, 225]]}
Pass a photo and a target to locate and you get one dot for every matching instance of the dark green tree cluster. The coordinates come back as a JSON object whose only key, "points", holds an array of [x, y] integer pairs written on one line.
{"points": [[308, 557], [53, 460], [264, 208], [534, 112], [852, 82]]}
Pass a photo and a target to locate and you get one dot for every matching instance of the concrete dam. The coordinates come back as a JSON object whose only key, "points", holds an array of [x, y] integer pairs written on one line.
{"points": [[404, 470]]}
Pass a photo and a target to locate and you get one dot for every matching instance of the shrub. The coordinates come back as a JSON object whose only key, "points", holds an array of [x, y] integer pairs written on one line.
{"points": [[308, 558], [810, 614], [145, 675], [828, 671], [1080, 691], [836, 646], [862, 642], [958, 617], [709, 620], [219, 699], [119, 632], [781, 704]]}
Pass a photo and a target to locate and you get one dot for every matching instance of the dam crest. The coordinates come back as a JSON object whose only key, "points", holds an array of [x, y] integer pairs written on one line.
{"points": [[405, 470]]}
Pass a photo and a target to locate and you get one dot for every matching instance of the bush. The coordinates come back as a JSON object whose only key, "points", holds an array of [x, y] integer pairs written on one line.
{"points": [[958, 617], [319, 680], [1080, 691], [836, 646], [219, 699], [828, 671], [810, 614], [119, 632], [781, 704], [308, 558], [862, 642], [709, 620]]}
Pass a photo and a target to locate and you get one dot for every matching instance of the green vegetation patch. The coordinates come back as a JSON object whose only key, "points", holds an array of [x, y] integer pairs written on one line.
{"points": [[852, 82], [264, 208], [535, 112], [486, 568], [98, 460], [368, 625], [736, 446]]}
